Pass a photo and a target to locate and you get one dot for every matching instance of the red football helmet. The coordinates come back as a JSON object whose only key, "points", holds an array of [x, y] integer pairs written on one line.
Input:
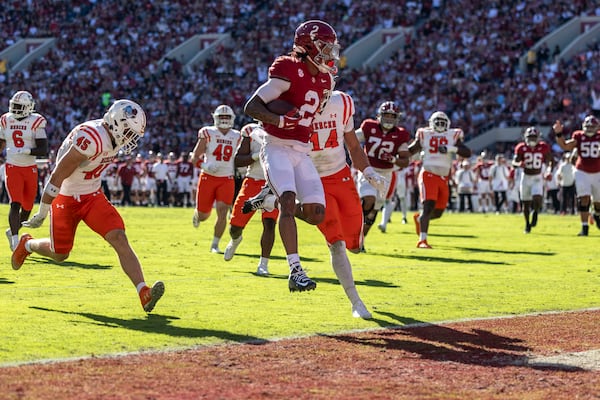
{"points": [[388, 115], [318, 40], [590, 125], [532, 136]]}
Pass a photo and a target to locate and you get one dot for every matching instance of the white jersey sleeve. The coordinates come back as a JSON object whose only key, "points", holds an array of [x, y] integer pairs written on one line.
{"points": [[337, 118], [257, 136], [21, 134], [93, 141]]}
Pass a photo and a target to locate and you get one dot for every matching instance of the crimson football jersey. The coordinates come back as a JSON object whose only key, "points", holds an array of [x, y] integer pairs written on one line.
{"points": [[306, 93], [533, 158], [588, 151], [380, 146]]}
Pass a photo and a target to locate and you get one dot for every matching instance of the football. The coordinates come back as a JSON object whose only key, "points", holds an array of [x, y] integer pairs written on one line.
{"points": [[280, 107]]}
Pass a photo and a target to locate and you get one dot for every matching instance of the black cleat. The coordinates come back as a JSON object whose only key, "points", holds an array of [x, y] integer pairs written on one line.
{"points": [[256, 203], [597, 219], [584, 230], [299, 282]]}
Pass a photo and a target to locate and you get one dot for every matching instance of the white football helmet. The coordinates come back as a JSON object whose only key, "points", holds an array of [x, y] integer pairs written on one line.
{"points": [[21, 105], [590, 125], [224, 117], [439, 122], [126, 122], [532, 136]]}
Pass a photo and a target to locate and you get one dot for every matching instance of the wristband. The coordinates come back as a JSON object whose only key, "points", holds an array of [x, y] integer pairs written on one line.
{"points": [[51, 190], [26, 151], [452, 149]]}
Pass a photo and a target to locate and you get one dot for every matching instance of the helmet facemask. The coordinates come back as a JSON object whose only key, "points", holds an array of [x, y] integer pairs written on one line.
{"points": [[590, 125], [126, 122], [223, 117], [21, 105], [532, 136], [317, 41], [439, 122]]}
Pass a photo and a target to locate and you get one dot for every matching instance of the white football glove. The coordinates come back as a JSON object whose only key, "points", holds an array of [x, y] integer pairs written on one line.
{"points": [[210, 167], [38, 218], [377, 181], [18, 150]]}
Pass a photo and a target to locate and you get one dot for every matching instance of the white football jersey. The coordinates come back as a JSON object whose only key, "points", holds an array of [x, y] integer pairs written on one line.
{"points": [[21, 134], [434, 161], [220, 149], [257, 137], [328, 152], [93, 141]]}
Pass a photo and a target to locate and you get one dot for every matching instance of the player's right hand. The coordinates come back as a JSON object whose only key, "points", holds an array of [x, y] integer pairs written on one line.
{"points": [[289, 120], [377, 181], [34, 222], [210, 167]]}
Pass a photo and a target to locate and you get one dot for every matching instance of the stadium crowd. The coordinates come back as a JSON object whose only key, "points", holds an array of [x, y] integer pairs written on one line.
{"points": [[461, 58]]}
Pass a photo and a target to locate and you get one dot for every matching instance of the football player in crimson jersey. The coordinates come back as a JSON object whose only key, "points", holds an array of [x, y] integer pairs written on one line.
{"points": [[587, 167], [216, 147], [438, 142], [531, 155], [386, 146], [304, 79], [74, 195], [333, 132], [185, 172], [23, 133]]}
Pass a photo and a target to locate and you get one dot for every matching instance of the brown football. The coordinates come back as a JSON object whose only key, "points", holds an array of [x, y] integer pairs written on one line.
{"points": [[279, 106]]}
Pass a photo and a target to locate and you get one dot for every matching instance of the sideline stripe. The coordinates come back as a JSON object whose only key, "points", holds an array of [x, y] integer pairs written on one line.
{"points": [[408, 326]]}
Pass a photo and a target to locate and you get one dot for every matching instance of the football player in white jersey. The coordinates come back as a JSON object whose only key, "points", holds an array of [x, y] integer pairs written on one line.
{"points": [[23, 133], [247, 155], [73, 194], [216, 146], [438, 142], [343, 224]]}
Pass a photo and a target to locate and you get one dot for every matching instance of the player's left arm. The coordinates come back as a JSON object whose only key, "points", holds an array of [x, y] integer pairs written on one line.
{"points": [[462, 150], [41, 148]]}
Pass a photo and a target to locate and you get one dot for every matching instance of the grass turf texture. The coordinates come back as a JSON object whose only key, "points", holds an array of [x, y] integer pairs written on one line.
{"points": [[481, 266]]}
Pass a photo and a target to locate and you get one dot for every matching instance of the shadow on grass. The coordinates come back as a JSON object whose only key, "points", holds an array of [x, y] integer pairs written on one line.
{"points": [[485, 250], [428, 255], [161, 324], [444, 344], [255, 256], [74, 264], [4, 281], [332, 281]]}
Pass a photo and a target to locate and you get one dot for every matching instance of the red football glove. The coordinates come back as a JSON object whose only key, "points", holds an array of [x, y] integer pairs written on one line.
{"points": [[289, 120]]}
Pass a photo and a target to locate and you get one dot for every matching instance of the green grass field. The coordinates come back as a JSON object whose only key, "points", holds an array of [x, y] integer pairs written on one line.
{"points": [[481, 266]]}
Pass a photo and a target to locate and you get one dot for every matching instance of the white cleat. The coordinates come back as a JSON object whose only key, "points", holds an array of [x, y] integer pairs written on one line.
{"points": [[359, 310], [231, 248], [215, 250], [262, 270]]}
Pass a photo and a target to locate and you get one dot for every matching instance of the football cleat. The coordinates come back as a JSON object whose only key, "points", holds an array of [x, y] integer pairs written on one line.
{"points": [[262, 270], [404, 221], [527, 229], [231, 248], [422, 244], [215, 249], [150, 296], [20, 253], [257, 202], [585, 229], [196, 219], [299, 282], [359, 310], [381, 228], [417, 223]]}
